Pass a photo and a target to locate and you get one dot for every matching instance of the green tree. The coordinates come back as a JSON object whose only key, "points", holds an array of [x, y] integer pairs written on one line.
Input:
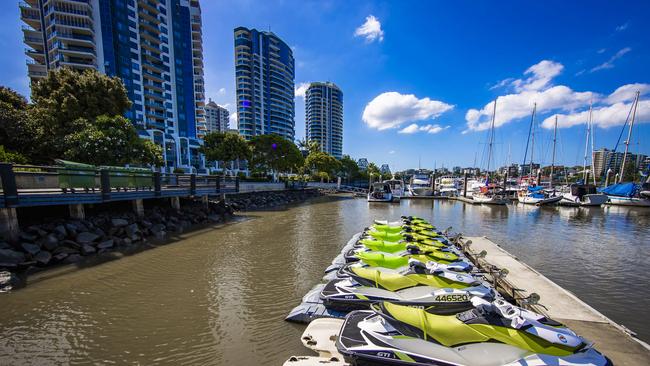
{"points": [[275, 153], [310, 146], [17, 132], [11, 157], [110, 140], [630, 173], [349, 167], [373, 169], [320, 162], [224, 147]]}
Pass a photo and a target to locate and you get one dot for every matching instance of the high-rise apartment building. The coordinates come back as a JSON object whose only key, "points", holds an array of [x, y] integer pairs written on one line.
{"points": [[324, 117], [154, 46], [264, 81], [217, 117]]}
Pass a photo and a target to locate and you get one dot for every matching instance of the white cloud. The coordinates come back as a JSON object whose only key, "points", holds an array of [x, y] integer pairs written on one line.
{"points": [[614, 112], [370, 30], [622, 27], [413, 128], [515, 106], [391, 152], [301, 89], [602, 50], [233, 120], [392, 109], [604, 117], [222, 91], [627, 92], [502, 83], [610, 63], [541, 75]]}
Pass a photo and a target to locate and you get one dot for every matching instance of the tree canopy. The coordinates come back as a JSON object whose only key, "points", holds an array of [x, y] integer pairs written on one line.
{"points": [[320, 162], [223, 146], [275, 153], [77, 116]]}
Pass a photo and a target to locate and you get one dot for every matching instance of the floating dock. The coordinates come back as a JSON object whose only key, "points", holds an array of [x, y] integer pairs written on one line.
{"points": [[611, 339]]}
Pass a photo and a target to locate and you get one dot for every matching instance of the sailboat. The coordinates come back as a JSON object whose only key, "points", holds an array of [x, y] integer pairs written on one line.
{"points": [[628, 193], [584, 194], [490, 194], [535, 194]]}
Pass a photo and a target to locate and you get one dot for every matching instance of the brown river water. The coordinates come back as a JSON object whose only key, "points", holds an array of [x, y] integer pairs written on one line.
{"points": [[218, 296]]}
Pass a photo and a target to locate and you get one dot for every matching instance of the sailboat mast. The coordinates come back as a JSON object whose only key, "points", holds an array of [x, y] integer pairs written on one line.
{"points": [[629, 136], [494, 113], [593, 166], [532, 143], [553, 160], [584, 162]]}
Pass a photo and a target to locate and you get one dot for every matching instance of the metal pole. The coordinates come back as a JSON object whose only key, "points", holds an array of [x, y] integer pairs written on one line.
{"points": [[553, 161], [629, 136], [105, 184]]}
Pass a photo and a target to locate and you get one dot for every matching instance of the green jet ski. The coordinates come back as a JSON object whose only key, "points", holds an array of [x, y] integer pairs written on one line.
{"points": [[417, 285], [392, 247], [488, 334], [394, 261]]}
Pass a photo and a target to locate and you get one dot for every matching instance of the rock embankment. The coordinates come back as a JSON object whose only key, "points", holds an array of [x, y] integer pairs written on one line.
{"points": [[260, 200], [66, 240]]}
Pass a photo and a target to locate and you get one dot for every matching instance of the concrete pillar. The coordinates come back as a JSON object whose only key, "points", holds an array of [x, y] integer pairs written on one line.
{"points": [[204, 201], [338, 183], [9, 228], [176, 203], [77, 211], [138, 207]]}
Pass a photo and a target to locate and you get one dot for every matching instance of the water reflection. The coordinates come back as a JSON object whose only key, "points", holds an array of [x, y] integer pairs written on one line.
{"points": [[219, 297]]}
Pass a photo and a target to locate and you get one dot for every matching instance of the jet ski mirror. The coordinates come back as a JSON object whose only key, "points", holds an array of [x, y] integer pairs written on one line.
{"points": [[448, 230], [503, 272], [468, 243], [532, 299], [482, 254]]}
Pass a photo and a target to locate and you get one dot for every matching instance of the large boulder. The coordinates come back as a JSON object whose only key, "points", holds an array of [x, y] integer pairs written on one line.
{"points": [[119, 222], [50, 242], [11, 258], [86, 237], [60, 231], [43, 257], [105, 244], [30, 248], [132, 230], [88, 249]]}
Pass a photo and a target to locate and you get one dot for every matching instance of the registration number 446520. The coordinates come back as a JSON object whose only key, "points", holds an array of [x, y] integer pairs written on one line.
{"points": [[452, 298]]}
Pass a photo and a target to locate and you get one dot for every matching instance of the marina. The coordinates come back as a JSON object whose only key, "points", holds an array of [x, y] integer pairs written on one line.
{"points": [[226, 292]]}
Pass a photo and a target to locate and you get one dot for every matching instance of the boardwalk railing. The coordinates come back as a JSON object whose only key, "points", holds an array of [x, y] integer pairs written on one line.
{"points": [[32, 185]]}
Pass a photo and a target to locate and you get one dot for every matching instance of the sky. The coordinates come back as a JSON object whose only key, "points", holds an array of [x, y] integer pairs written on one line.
{"points": [[419, 78]]}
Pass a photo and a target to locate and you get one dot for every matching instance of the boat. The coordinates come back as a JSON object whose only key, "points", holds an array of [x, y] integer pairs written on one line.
{"points": [[488, 334], [396, 188], [380, 192], [447, 186], [628, 193], [490, 194], [537, 195], [420, 185], [583, 195], [439, 290]]}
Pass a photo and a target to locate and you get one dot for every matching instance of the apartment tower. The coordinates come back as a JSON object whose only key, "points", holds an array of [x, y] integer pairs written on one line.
{"points": [[324, 117]]}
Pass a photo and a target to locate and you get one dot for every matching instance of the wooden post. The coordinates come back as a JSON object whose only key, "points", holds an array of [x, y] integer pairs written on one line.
{"points": [[237, 184], [9, 187], [465, 184], [192, 184], [157, 184], [433, 183], [105, 184], [586, 177], [205, 201], [505, 182]]}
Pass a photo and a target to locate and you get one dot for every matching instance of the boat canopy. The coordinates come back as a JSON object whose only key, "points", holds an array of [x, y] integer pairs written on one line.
{"points": [[535, 189], [582, 189], [621, 189]]}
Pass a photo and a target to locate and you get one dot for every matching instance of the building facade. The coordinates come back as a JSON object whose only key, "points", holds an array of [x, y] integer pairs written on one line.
{"points": [[217, 117], [384, 169], [362, 164], [264, 81], [155, 47], [324, 117]]}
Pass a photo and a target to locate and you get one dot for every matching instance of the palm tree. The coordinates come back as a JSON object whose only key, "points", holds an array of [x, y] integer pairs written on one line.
{"points": [[311, 146]]}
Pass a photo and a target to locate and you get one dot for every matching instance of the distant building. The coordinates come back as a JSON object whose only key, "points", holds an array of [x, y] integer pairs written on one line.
{"points": [[362, 164], [264, 79], [154, 47], [385, 169], [607, 159], [524, 170], [457, 170], [324, 117], [217, 117]]}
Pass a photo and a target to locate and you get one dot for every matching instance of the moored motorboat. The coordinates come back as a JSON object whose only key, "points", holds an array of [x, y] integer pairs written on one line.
{"points": [[380, 192], [490, 195], [537, 195], [583, 195]]}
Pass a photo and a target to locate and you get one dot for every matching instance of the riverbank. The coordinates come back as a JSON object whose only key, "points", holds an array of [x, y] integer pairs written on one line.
{"points": [[59, 241]]}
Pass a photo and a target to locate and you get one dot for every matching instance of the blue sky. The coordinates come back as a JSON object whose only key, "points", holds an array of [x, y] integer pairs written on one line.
{"points": [[418, 77]]}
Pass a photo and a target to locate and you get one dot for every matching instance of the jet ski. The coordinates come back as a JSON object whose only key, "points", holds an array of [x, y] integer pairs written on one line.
{"points": [[393, 246], [488, 334], [432, 254], [441, 290], [392, 261]]}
